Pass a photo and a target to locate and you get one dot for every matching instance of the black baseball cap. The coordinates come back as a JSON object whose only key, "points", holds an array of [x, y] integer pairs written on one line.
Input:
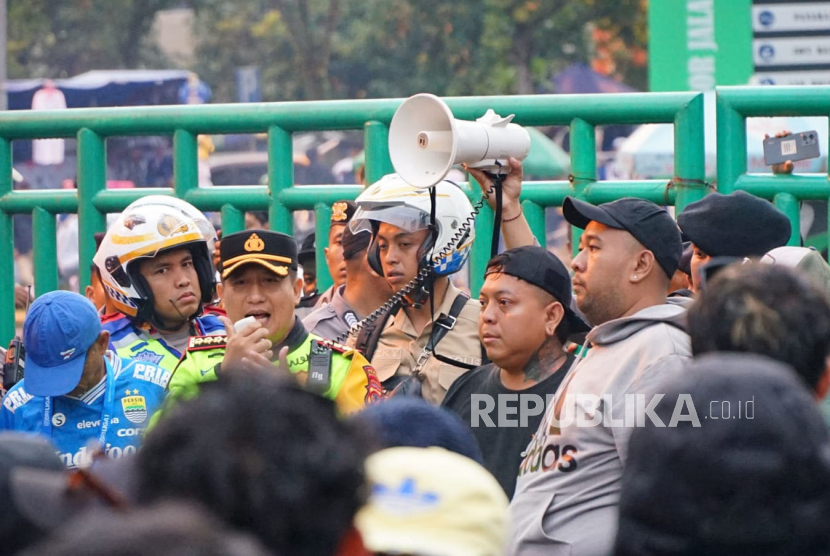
{"points": [[648, 223], [275, 251], [685, 265], [541, 268], [308, 250], [734, 225]]}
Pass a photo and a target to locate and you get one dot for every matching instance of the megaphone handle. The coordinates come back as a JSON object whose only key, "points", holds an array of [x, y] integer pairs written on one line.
{"points": [[494, 245]]}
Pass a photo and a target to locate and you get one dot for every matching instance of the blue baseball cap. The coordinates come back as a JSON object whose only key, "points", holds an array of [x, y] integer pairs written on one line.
{"points": [[59, 329]]}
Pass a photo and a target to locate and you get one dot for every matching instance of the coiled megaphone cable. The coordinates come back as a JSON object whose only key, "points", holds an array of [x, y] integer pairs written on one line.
{"points": [[425, 272]]}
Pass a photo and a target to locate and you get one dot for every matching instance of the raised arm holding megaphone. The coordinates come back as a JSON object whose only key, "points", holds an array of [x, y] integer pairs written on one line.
{"points": [[426, 141]]}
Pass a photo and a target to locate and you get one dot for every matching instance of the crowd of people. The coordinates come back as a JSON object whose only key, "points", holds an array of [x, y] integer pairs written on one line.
{"points": [[660, 397]]}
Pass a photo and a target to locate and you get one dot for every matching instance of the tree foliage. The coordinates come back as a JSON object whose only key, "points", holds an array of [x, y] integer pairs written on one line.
{"points": [[313, 49], [385, 48], [48, 38]]}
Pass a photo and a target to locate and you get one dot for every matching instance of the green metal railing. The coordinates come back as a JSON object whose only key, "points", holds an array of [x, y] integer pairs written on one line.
{"points": [[734, 105], [92, 201]]}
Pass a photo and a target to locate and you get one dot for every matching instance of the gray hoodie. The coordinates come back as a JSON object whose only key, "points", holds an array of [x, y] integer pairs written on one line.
{"points": [[569, 482]]}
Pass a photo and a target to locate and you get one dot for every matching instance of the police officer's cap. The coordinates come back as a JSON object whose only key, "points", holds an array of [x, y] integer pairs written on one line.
{"points": [[275, 251], [342, 212]]}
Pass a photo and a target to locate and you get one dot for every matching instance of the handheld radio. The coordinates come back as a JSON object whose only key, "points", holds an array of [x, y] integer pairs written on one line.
{"points": [[15, 361]]}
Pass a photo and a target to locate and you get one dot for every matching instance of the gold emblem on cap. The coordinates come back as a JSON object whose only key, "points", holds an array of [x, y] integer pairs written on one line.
{"points": [[338, 212], [254, 243]]}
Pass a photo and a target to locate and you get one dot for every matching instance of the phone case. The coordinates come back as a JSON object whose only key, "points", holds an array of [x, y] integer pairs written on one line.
{"points": [[796, 146]]}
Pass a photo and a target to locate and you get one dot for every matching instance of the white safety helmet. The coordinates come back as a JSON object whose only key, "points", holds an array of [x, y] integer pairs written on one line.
{"points": [[141, 233], [186, 208], [393, 201]]}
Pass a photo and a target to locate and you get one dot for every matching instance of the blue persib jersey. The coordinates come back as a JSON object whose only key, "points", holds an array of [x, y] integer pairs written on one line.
{"points": [[76, 422]]}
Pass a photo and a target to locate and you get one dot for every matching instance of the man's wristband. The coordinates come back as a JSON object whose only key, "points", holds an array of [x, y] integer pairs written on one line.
{"points": [[511, 219]]}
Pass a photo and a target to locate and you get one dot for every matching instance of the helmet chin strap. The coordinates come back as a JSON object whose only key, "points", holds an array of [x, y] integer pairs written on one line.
{"points": [[156, 322], [417, 298], [185, 319]]}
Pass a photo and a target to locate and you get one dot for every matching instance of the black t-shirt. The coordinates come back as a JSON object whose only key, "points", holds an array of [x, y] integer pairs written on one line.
{"points": [[504, 420]]}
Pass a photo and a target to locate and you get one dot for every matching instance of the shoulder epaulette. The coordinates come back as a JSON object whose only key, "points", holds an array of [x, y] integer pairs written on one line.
{"points": [[207, 342]]}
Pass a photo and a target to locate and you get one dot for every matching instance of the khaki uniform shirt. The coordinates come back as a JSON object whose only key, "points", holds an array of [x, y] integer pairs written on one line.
{"points": [[399, 347]]}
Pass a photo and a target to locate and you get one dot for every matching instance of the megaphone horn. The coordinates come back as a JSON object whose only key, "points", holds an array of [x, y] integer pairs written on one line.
{"points": [[426, 141]]}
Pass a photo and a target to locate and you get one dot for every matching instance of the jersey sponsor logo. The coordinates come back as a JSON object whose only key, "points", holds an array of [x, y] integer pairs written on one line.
{"points": [[148, 356], [82, 424], [151, 373], [86, 424], [58, 420], [83, 457], [76, 459], [135, 408], [130, 432], [15, 399]]}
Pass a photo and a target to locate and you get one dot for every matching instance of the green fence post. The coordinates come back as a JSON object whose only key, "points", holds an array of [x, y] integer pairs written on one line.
{"points": [[92, 178], [480, 251], [788, 204], [731, 145], [233, 220], [583, 166], [7, 324], [535, 215], [280, 178], [45, 251], [689, 154], [322, 224], [185, 162], [378, 163]]}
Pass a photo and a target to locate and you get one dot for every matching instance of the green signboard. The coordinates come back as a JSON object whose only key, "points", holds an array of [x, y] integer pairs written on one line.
{"points": [[697, 44]]}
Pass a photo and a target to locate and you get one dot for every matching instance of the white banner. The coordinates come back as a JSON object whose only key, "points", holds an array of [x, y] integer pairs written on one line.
{"points": [[799, 16], [777, 52], [791, 78]]}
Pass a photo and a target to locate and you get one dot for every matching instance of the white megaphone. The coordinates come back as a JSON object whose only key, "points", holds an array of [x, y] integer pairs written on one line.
{"points": [[426, 141]]}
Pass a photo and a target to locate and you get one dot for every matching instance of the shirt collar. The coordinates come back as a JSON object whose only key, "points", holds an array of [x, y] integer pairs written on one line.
{"points": [[295, 337], [96, 391], [338, 303]]}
